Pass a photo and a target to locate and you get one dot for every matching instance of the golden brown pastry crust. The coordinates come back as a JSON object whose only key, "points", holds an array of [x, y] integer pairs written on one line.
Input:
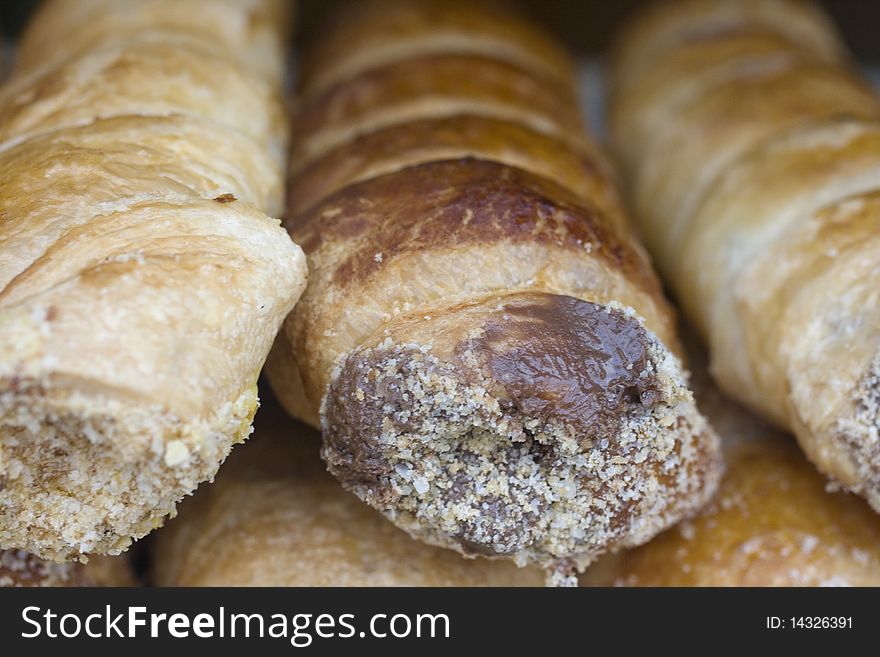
{"points": [[436, 86], [772, 523], [481, 328], [109, 81], [582, 171], [377, 33], [663, 26], [275, 517], [141, 280], [753, 159], [249, 30]]}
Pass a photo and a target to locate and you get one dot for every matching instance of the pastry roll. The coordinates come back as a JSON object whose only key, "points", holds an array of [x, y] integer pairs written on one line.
{"points": [[483, 343], [275, 517], [754, 155], [20, 569], [141, 279], [772, 522]]}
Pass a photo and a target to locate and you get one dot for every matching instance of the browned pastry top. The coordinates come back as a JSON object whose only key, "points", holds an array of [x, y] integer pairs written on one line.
{"points": [[432, 85], [372, 33], [578, 167], [561, 356], [450, 204]]}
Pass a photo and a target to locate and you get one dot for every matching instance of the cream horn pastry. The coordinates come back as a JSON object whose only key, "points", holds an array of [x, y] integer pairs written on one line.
{"points": [[483, 341], [142, 278], [753, 151]]}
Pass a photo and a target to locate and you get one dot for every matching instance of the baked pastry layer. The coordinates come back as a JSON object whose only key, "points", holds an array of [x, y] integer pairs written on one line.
{"points": [[20, 569], [752, 147], [141, 279]]}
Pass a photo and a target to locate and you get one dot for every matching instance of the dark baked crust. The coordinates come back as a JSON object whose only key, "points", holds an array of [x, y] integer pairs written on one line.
{"points": [[582, 170], [455, 203]]}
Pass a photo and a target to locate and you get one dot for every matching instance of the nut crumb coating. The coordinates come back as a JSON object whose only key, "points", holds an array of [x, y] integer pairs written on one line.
{"points": [[554, 431], [773, 522]]}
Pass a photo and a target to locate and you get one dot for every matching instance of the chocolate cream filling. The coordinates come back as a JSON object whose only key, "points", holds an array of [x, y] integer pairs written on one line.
{"points": [[538, 427]]}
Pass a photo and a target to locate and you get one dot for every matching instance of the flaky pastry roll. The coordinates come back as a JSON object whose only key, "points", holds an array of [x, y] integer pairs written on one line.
{"points": [[483, 341], [752, 148], [141, 280]]}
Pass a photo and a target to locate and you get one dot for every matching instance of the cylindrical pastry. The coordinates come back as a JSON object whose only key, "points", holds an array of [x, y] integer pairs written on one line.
{"points": [[754, 156], [141, 280], [772, 522], [274, 517], [20, 569], [482, 341]]}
